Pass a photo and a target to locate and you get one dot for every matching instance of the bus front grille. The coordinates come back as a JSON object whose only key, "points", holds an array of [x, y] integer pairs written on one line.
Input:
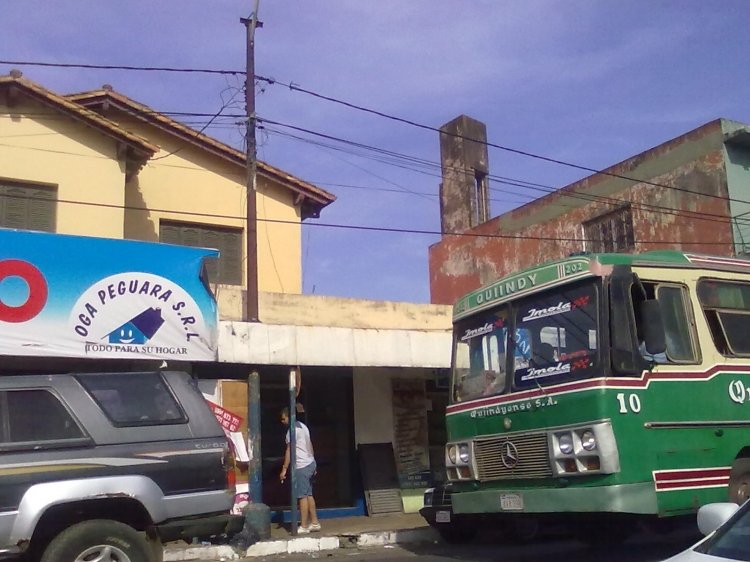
{"points": [[515, 456]]}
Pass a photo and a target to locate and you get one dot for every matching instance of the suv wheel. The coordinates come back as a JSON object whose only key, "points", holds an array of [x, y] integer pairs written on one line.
{"points": [[101, 540]]}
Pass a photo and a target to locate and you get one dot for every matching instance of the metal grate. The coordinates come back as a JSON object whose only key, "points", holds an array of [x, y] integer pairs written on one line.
{"points": [[441, 496], [530, 452]]}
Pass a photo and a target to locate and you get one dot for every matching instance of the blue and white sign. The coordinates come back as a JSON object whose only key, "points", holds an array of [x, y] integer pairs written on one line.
{"points": [[73, 296]]}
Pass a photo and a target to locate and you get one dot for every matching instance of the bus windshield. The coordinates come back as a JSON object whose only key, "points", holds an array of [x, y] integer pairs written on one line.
{"points": [[554, 338], [557, 334]]}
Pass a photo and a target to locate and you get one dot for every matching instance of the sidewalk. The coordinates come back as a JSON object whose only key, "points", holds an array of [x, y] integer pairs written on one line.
{"points": [[343, 532]]}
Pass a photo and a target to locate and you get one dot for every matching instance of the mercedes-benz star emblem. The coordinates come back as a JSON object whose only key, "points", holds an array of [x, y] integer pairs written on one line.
{"points": [[509, 455]]}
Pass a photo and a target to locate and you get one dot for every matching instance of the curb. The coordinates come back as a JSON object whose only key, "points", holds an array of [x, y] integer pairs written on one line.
{"points": [[299, 545]]}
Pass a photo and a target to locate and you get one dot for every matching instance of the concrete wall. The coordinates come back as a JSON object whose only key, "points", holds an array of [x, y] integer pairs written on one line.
{"points": [[314, 310], [551, 227], [269, 344], [373, 414], [47, 148]]}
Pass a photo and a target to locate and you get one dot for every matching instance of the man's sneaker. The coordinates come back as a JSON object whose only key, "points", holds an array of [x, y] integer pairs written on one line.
{"points": [[314, 526], [303, 530]]}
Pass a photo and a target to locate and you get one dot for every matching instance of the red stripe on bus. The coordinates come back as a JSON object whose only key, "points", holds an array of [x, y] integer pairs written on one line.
{"points": [[610, 382], [667, 475], [699, 483]]}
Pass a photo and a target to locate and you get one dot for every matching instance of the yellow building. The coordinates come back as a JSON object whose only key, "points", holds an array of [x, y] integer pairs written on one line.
{"points": [[101, 164]]}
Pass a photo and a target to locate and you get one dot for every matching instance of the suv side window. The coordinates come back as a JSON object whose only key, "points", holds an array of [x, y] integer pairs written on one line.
{"points": [[35, 416], [150, 402]]}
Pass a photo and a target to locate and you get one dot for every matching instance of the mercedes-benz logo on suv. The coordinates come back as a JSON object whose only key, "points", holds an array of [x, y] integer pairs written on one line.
{"points": [[509, 455]]}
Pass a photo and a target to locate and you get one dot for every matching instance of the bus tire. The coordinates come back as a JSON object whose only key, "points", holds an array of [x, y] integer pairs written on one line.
{"points": [[739, 487], [457, 534], [603, 534]]}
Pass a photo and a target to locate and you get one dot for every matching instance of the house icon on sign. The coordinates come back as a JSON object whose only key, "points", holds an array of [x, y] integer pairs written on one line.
{"points": [[139, 329]]}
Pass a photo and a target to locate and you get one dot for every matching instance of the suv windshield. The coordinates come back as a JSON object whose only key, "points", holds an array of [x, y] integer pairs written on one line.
{"points": [[554, 338]]}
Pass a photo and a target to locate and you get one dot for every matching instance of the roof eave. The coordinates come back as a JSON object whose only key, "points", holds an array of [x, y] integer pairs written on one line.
{"points": [[311, 199], [137, 147]]}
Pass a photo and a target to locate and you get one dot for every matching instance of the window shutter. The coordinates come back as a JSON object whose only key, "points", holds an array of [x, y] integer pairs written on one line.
{"points": [[16, 208], [231, 258], [228, 268], [41, 211], [27, 207]]}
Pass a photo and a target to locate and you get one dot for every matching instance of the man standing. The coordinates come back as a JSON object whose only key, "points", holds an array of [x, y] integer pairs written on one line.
{"points": [[305, 465]]}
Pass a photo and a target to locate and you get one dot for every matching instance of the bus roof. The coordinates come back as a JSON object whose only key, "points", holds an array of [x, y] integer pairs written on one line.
{"points": [[579, 266]]}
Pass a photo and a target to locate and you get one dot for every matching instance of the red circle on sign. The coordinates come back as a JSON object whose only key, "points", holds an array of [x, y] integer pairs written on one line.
{"points": [[37, 291]]}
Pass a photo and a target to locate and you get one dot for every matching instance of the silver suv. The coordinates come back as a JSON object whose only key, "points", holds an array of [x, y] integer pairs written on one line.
{"points": [[108, 466]]}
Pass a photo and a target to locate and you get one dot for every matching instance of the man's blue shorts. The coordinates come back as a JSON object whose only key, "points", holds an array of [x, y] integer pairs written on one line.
{"points": [[303, 480]]}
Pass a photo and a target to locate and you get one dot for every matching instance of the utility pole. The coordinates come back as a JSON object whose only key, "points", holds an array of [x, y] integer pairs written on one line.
{"points": [[257, 514], [252, 211]]}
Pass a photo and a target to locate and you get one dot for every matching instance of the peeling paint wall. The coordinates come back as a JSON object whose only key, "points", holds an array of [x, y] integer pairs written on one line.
{"points": [[315, 310], [463, 197], [551, 227]]}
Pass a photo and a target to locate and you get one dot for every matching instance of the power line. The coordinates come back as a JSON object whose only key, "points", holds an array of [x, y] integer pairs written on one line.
{"points": [[652, 208], [588, 197], [420, 165], [390, 156], [353, 226], [296, 88], [122, 67]]}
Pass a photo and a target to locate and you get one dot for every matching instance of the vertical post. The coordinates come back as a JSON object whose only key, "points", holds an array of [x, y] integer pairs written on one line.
{"points": [[257, 515], [255, 467], [293, 446], [251, 165]]}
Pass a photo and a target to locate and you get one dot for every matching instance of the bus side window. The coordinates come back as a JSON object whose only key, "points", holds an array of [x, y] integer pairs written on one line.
{"points": [[726, 305], [678, 325]]}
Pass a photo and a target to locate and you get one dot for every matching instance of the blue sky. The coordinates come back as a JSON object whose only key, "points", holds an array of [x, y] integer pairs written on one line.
{"points": [[588, 82]]}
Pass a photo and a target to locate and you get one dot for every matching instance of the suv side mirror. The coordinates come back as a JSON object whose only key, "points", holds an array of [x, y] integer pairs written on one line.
{"points": [[713, 515], [652, 327]]}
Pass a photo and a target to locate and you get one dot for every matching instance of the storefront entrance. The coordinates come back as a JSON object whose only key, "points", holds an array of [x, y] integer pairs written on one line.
{"points": [[327, 409]]}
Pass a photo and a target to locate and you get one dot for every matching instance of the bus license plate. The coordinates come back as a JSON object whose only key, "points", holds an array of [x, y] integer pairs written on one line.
{"points": [[443, 517], [511, 502]]}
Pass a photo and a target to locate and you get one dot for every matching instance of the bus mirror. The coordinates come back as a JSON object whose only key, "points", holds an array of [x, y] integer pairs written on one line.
{"points": [[652, 327]]}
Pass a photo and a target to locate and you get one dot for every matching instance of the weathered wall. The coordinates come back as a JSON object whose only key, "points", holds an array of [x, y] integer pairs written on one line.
{"points": [[462, 161], [551, 227], [328, 331]]}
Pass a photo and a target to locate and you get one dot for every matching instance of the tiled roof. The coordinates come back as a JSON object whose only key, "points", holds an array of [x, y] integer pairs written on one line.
{"points": [[142, 147], [314, 197]]}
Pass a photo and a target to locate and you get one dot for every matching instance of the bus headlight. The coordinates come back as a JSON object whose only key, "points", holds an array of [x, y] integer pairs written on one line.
{"points": [[588, 440], [452, 453], [565, 443], [463, 453], [583, 450]]}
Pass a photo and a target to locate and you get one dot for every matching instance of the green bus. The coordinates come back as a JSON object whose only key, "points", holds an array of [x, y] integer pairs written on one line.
{"points": [[600, 391]]}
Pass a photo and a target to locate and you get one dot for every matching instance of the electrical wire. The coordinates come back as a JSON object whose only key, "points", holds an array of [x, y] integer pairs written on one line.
{"points": [[294, 87], [360, 227]]}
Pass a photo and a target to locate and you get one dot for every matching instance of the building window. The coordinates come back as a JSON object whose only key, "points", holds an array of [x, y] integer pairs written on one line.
{"points": [[228, 268], [612, 232], [27, 206]]}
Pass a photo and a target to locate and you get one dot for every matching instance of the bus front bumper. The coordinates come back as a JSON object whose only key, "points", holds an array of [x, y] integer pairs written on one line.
{"points": [[625, 498]]}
